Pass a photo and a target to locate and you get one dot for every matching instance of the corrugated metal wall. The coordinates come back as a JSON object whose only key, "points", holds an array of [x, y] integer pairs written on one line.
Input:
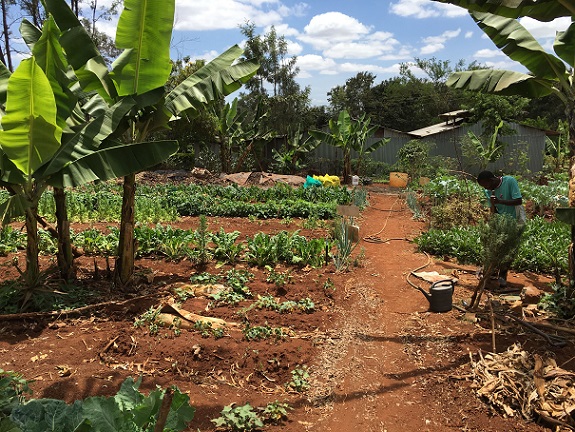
{"points": [[529, 140]]}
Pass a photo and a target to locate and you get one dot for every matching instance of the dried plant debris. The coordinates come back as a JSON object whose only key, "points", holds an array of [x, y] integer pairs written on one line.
{"points": [[516, 382]]}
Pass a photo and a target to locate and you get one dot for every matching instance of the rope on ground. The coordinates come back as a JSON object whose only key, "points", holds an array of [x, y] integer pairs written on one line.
{"points": [[375, 238]]}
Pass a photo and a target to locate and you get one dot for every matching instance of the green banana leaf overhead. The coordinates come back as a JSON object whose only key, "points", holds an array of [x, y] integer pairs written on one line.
{"points": [[114, 160], [81, 52], [15, 206], [502, 82], [50, 57], [30, 134], [519, 45], [547, 72], [88, 139], [541, 10], [4, 76], [218, 77], [144, 32], [564, 45]]}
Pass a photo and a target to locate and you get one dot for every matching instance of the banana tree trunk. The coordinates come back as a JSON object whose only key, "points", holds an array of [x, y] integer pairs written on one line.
{"points": [[65, 256], [124, 271], [32, 264]]}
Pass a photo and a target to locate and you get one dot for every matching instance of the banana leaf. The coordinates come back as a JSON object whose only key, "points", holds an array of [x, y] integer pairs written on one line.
{"points": [[81, 52], [519, 45], [220, 77], [30, 134], [113, 161], [541, 10], [502, 82], [144, 32]]}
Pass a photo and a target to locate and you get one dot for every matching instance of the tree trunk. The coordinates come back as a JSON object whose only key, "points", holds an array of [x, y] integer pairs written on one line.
{"points": [[346, 167], [32, 274], [124, 271], [571, 117], [7, 60], [65, 255]]}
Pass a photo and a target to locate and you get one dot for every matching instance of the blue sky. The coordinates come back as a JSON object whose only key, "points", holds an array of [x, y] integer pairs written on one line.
{"points": [[336, 39]]}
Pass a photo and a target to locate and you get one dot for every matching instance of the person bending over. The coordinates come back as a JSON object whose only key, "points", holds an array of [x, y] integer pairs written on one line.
{"points": [[504, 197]]}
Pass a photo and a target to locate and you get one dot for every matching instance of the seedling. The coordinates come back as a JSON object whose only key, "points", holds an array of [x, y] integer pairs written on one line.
{"points": [[300, 379]]}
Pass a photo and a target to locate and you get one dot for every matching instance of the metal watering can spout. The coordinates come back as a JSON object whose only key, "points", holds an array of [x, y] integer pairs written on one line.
{"points": [[440, 295]]}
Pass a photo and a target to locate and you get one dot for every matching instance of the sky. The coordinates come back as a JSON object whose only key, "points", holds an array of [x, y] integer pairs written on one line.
{"points": [[336, 39]]}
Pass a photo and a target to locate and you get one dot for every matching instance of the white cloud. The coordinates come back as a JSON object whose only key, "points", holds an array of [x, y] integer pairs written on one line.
{"points": [[314, 62], [293, 48], [283, 30], [488, 53], [355, 50], [431, 48], [326, 29], [361, 67], [545, 29], [437, 43], [405, 53], [229, 14], [468, 35], [425, 9]]}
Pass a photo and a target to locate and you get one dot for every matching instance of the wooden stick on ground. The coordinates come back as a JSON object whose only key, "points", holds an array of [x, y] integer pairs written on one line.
{"points": [[492, 317]]}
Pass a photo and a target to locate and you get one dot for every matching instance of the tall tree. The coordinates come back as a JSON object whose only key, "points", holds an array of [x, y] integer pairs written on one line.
{"points": [[355, 96], [547, 73], [274, 86]]}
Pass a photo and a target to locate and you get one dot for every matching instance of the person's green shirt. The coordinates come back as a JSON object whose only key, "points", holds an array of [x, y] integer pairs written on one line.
{"points": [[507, 190]]}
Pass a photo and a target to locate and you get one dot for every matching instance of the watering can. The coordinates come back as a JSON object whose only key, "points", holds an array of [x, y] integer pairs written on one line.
{"points": [[439, 296]]}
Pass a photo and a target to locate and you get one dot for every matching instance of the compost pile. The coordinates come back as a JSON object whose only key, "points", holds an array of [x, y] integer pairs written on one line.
{"points": [[519, 383]]}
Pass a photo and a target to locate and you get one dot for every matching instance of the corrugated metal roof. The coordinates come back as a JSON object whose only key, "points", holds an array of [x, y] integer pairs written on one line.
{"points": [[434, 129]]}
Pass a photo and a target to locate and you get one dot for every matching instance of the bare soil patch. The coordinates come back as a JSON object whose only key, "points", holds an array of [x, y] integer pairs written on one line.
{"points": [[378, 359]]}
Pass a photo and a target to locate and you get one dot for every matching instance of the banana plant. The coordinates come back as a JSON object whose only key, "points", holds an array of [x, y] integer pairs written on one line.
{"points": [[140, 74], [348, 134], [546, 73], [487, 152], [38, 148]]}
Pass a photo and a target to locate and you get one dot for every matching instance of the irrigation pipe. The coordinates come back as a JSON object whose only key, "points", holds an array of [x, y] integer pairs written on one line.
{"points": [[375, 238], [417, 269]]}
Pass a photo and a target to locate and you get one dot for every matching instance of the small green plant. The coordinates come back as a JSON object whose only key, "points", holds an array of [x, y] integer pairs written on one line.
{"points": [[240, 418], [280, 279], [149, 318], [263, 332], [204, 327], [13, 390], [344, 243], [306, 305], [558, 302], [299, 379], [202, 255], [275, 412], [204, 278], [287, 307], [226, 247]]}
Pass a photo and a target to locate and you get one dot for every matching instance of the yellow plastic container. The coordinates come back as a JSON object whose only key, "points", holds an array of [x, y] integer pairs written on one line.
{"points": [[398, 179]]}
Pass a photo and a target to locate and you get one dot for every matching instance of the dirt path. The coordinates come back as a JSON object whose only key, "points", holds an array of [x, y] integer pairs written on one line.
{"points": [[387, 364]]}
